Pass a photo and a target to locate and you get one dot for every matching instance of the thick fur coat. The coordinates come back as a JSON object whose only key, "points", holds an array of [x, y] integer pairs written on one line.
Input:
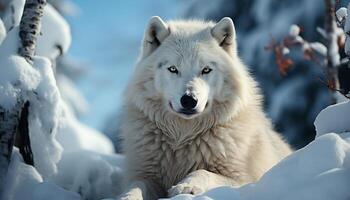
{"points": [[224, 139]]}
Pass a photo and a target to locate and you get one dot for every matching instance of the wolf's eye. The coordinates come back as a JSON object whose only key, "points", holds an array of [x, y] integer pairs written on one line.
{"points": [[206, 70], [173, 69]]}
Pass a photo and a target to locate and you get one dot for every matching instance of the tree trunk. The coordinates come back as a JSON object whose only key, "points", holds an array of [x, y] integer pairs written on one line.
{"points": [[8, 126], [30, 27], [333, 57], [14, 121]]}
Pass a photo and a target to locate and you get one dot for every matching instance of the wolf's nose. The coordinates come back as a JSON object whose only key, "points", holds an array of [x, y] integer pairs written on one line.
{"points": [[188, 101]]}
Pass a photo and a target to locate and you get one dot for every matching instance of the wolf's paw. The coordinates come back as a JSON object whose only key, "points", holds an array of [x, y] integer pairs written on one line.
{"points": [[184, 188], [129, 197]]}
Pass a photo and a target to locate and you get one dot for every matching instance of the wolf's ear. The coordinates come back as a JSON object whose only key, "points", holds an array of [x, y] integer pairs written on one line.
{"points": [[224, 32], [157, 30]]}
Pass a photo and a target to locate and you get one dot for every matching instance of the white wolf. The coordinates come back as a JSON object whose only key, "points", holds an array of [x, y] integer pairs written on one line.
{"points": [[193, 118]]}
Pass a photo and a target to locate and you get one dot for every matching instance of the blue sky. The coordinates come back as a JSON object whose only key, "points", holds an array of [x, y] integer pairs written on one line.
{"points": [[105, 37]]}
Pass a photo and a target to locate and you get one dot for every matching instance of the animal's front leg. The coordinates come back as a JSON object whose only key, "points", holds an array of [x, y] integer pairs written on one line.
{"points": [[138, 190], [135, 191], [198, 182]]}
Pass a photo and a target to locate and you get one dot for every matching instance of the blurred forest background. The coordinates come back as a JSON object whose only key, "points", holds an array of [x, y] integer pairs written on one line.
{"points": [[106, 37]]}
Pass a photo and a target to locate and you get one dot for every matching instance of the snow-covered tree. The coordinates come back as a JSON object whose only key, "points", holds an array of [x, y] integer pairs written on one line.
{"points": [[14, 119], [56, 136]]}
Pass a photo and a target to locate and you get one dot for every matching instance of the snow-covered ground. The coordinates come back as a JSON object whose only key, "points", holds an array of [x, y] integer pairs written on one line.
{"points": [[321, 171]]}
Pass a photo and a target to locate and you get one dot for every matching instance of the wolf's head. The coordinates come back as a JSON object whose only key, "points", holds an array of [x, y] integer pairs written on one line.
{"points": [[189, 69]]}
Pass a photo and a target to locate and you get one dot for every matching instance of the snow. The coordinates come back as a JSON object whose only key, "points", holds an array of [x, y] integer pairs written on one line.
{"points": [[35, 83], [73, 161], [300, 40], [24, 182], [21, 178], [58, 139], [322, 32], [44, 113], [74, 136], [10, 44], [13, 13], [333, 49], [319, 48], [49, 190], [334, 118], [321, 170], [15, 69], [70, 94], [2, 31], [95, 176], [55, 32], [341, 13], [294, 31], [18, 80], [285, 51], [346, 30]]}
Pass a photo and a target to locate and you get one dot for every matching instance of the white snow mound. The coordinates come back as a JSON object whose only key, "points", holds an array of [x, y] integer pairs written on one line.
{"points": [[24, 182], [334, 118]]}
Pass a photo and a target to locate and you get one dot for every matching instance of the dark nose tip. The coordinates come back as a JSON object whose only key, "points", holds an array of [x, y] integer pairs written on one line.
{"points": [[188, 101]]}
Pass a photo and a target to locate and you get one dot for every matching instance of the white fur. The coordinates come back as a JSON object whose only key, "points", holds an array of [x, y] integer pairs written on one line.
{"points": [[228, 141]]}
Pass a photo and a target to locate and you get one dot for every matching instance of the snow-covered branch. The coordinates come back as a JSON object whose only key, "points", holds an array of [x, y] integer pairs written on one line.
{"points": [[326, 55]]}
